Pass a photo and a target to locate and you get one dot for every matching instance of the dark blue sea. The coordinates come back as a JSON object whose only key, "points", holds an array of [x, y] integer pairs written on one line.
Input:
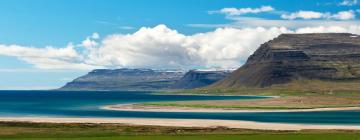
{"points": [[88, 103]]}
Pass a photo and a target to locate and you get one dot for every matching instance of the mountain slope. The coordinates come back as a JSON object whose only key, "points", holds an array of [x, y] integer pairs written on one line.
{"points": [[195, 79], [290, 58]]}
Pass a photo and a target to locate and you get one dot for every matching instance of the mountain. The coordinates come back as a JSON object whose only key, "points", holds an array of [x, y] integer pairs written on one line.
{"points": [[197, 78], [143, 79], [301, 58], [125, 79]]}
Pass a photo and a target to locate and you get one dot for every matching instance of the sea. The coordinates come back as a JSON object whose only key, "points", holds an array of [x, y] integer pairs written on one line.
{"points": [[53, 103]]}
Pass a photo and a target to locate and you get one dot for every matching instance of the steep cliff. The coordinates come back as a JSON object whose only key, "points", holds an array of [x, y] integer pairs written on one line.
{"points": [[326, 57], [196, 78]]}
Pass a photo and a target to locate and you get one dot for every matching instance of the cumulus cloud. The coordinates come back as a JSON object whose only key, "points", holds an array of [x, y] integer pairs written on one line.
{"points": [[162, 47], [48, 57], [303, 15], [342, 15], [230, 47], [90, 41], [355, 29], [166, 48], [348, 2], [95, 35], [242, 11], [148, 47]]}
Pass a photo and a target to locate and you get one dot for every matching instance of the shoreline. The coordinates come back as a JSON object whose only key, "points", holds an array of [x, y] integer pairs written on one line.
{"points": [[208, 94], [142, 108], [182, 123]]}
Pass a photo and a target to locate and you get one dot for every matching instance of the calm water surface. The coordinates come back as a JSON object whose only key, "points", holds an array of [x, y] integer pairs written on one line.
{"points": [[87, 103]]}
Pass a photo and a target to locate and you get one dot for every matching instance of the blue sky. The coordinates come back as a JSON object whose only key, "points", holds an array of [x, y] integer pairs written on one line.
{"points": [[67, 24]]}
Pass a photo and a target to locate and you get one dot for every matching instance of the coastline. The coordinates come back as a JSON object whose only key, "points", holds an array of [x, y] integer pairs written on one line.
{"points": [[142, 108], [182, 123], [207, 94]]}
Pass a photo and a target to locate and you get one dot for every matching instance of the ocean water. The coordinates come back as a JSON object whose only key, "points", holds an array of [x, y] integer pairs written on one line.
{"points": [[88, 103]]}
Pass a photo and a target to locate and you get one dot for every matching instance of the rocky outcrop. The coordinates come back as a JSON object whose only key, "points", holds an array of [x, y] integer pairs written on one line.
{"points": [[289, 57], [196, 78]]}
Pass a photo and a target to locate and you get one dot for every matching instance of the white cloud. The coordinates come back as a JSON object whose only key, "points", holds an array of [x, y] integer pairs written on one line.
{"points": [[355, 29], [342, 15], [303, 15], [48, 57], [95, 36], [148, 47], [230, 47], [166, 48], [89, 43], [161, 47], [246, 22], [242, 11], [306, 19], [348, 2], [90, 40]]}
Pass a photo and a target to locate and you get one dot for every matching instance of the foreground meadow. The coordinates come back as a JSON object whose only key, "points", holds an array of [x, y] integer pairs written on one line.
{"points": [[48, 131]]}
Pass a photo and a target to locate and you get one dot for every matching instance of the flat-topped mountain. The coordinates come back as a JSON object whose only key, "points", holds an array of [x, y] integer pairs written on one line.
{"points": [[125, 79], [333, 57], [144, 79]]}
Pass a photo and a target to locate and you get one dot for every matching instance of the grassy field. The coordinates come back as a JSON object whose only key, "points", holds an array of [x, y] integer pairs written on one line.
{"points": [[47, 131], [298, 87], [219, 137], [301, 94]]}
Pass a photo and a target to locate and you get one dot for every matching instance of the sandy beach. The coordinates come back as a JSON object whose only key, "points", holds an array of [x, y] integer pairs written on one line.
{"points": [[139, 107], [182, 123]]}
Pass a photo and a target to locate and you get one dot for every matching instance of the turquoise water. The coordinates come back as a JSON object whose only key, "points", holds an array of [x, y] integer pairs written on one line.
{"points": [[87, 103]]}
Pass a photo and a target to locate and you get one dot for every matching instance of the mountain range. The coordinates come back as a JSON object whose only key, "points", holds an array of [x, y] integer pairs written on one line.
{"points": [[144, 79]]}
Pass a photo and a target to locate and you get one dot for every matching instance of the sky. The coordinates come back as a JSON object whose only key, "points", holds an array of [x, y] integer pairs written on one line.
{"points": [[46, 43]]}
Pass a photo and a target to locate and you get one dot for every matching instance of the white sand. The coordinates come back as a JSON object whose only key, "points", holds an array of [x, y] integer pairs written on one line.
{"points": [[182, 123], [135, 107]]}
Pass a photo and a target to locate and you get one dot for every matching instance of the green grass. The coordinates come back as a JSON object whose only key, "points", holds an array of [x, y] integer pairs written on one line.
{"points": [[162, 104], [49, 131], [220, 137], [224, 106], [302, 87], [265, 92], [250, 91]]}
